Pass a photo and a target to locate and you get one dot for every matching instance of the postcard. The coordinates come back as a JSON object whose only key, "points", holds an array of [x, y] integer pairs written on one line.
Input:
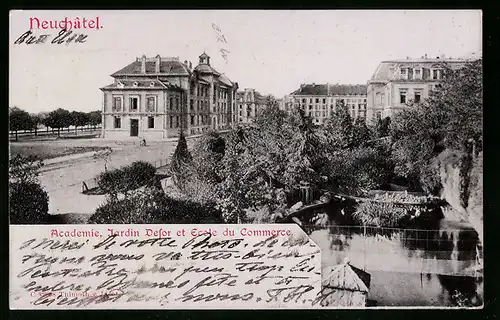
{"points": [[232, 159]]}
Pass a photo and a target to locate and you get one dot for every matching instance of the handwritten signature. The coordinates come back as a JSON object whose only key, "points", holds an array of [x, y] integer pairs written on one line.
{"points": [[221, 38]]}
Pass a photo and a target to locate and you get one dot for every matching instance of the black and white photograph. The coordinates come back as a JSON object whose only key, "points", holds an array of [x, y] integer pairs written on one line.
{"points": [[362, 128]]}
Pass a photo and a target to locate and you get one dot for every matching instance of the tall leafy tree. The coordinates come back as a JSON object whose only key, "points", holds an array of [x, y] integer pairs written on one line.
{"points": [[450, 118], [79, 119], [95, 118], [58, 119], [181, 162], [19, 120]]}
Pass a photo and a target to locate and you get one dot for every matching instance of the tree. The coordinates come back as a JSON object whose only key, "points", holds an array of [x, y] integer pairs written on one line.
{"points": [[339, 128], [95, 118], [36, 121], [207, 154], [58, 119], [79, 119], [19, 120], [28, 202], [181, 162], [450, 118]]}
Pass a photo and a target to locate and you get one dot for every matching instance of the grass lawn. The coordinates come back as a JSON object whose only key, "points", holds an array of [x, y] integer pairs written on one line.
{"points": [[48, 151]]}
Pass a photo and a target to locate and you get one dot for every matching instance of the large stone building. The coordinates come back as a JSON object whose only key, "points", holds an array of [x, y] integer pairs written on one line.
{"points": [[397, 83], [319, 100], [155, 98], [248, 104]]}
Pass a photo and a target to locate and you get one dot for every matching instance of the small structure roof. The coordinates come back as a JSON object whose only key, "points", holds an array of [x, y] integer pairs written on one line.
{"points": [[347, 277]]}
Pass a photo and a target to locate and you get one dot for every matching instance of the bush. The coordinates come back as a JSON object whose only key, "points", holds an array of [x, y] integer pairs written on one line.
{"points": [[28, 203], [379, 214], [150, 206], [131, 177]]}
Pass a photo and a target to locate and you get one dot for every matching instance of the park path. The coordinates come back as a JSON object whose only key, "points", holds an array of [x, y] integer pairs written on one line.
{"points": [[63, 180]]}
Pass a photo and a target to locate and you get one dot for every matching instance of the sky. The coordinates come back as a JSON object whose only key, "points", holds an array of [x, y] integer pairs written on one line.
{"points": [[271, 51]]}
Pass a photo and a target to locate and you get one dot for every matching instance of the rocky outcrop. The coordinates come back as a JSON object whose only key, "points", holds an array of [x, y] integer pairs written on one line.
{"points": [[462, 181]]}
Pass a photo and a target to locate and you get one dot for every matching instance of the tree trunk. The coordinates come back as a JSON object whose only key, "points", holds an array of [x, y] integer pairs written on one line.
{"points": [[76, 130], [58, 132], [36, 131], [16, 134]]}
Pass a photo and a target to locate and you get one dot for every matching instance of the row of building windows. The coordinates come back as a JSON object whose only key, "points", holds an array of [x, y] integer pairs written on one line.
{"points": [[332, 100], [417, 73], [199, 120], [403, 96], [118, 122]]}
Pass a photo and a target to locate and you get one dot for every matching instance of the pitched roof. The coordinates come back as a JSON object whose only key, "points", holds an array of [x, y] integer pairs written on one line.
{"points": [[330, 89], [167, 66], [225, 80], [143, 84], [205, 68], [386, 70], [344, 276]]}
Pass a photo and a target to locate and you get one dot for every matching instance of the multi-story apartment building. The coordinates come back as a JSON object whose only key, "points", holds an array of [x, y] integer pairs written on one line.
{"points": [[155, 98], [397, 83], [319, 100], [248, 104]]}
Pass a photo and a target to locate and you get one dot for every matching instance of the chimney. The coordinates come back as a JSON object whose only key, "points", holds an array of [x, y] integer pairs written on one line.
{"points": [[437, 57], [143, 64], [158, 63], [327, 89], [425, 56]]}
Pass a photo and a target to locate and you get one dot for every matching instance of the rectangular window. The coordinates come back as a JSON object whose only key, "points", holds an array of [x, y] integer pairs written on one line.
{"points": [[402, 97], [403, 73], [177, 104], [118, 122], [192, 120], [117, 103], [134, 103], [379, 115], [191, 105], [171, 104], [436, 74], [151, 122], [418, 96], [177, 121], [324, 101], [151, 104], [171, 122], [303, 100], [418, 74], [317, 100]]}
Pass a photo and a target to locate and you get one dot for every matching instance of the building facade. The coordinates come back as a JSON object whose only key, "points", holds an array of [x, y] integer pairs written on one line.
{"points": [[319, 100], [156, 98], [398, 83], [248, 104]]}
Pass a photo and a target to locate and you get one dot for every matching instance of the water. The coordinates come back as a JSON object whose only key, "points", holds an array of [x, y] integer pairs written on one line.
{"points": [[408, 267]]}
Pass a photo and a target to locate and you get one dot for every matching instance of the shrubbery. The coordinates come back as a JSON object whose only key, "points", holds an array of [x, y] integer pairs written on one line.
{"points": [[151, 206], [28, 202], [131, 177], [379, 214]]}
